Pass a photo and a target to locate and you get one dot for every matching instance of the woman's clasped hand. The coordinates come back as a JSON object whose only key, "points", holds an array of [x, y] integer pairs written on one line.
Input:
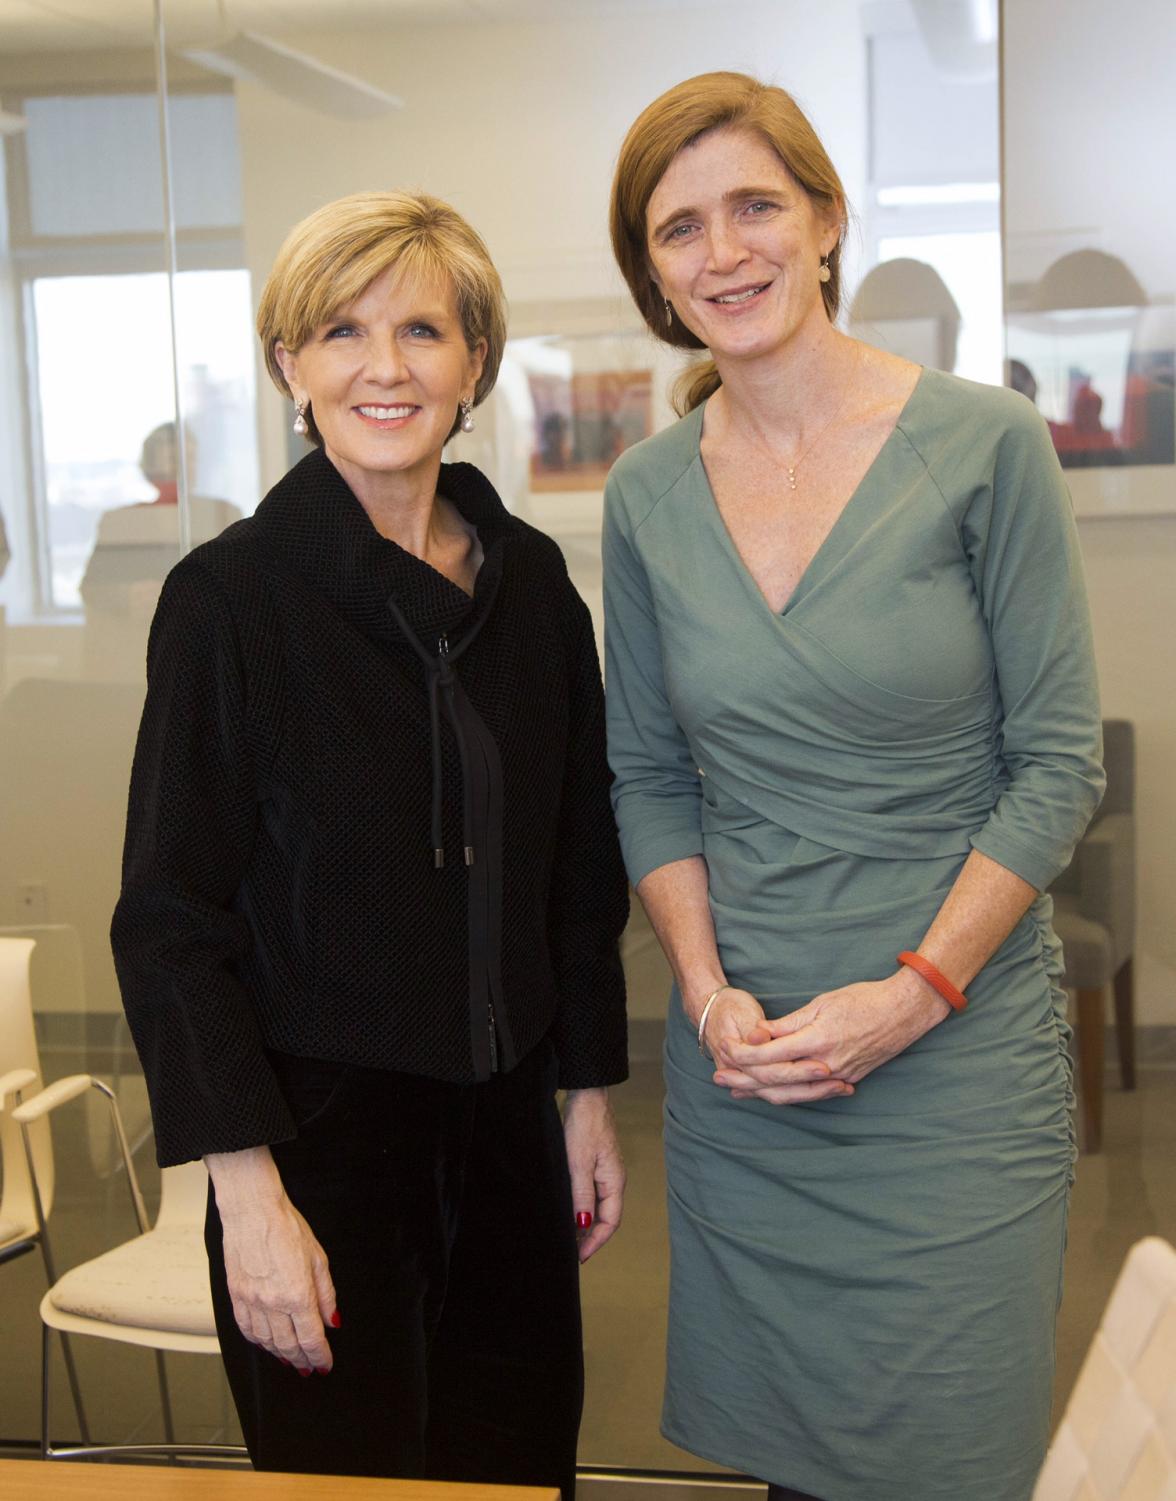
{"points": [[823, 1049]]}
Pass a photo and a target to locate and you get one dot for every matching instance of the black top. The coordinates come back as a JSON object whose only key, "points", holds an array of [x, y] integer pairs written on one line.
{"points": [[280, 886]]}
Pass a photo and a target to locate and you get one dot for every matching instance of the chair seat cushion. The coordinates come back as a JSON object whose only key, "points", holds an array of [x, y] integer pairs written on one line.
{"points": [[1086, 949], [158, 1281]]}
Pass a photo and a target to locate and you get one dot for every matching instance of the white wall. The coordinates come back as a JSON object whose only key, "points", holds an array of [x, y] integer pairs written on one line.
{"points": [[1090, 114], [519, 125], [1131, 567]]}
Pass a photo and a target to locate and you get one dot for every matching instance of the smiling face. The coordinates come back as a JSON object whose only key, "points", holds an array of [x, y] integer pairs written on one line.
{"points": [[383, 378], [736, 244]]}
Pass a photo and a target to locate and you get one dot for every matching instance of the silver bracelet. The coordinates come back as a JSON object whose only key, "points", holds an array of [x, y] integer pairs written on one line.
{"points": [[710, 1000]]}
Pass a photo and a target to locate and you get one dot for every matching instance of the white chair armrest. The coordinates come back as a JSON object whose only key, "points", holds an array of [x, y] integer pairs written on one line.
{"points": [[70, 1088], [50, 1097], [14, 1081]]}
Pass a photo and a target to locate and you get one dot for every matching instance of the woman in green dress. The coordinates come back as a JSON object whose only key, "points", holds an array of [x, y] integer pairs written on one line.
{"points": [[853, 715]]}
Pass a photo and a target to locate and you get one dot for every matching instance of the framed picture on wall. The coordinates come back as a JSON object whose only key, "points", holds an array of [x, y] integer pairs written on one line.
{"points": [[580, 382], [1104, 378], [582, 419]]}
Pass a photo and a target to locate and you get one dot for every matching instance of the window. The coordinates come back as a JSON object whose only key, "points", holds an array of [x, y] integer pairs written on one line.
{"points": [[934, 193], [89, 300]]}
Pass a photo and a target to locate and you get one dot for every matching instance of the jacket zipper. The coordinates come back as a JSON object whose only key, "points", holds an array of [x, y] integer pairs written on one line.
{"points": [[443, 652]]}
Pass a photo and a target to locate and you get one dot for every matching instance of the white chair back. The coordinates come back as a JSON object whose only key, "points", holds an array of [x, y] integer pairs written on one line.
{"points": [[1117, 1439], [184, 1194], [18, 1049]]}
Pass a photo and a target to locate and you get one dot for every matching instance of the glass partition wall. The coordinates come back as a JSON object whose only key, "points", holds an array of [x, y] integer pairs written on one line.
{"points": [[154, 158], [94, 504]]}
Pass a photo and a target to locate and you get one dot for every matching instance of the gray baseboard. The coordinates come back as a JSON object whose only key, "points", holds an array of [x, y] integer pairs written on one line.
{"points": [[596, 1483]]}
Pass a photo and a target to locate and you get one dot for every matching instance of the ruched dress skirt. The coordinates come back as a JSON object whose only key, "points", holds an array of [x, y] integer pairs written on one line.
{"points": [[864, 1290]]}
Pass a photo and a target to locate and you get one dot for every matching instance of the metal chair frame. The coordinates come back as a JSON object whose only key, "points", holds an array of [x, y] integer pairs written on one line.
{"points": [[49, 1099]]}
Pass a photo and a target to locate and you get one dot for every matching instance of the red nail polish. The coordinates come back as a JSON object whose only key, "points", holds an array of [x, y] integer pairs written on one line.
{"points": [[583, 1220], [322, 1370], [336, 1321], [301, 1372]]}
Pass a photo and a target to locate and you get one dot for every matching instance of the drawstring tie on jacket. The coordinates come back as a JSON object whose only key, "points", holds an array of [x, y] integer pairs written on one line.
{"points": [[443, 685]]}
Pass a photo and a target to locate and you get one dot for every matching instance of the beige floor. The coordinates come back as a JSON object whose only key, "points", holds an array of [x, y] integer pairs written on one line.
{"points": [[1126, 1192]]}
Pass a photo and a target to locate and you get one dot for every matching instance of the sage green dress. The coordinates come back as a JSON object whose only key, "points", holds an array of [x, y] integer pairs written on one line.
{"points": [[863, 1291]]}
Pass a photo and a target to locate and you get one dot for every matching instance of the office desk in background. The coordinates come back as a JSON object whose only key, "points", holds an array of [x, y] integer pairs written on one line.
{"points": [[74, 1480]]}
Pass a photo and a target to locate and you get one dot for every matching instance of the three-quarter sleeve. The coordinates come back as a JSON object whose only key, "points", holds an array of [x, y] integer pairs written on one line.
{"points": [[1023, 546], [176, 934], [589, 899], [656, 793]]}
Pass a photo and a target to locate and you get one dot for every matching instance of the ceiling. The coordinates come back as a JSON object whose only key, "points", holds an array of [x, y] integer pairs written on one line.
{"points": [[79, 25]]}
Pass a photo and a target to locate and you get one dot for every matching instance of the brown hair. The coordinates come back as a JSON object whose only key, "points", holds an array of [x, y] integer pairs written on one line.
{"points": [[329, 259], [675, 120]]}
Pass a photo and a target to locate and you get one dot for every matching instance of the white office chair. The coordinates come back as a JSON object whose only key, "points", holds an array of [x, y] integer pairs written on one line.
{"points": [[26, 1155], [1117, 1439], [151, 1291]]}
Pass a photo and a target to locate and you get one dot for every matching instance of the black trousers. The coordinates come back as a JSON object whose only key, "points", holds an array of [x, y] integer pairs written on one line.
{"points": [[446, 1215]]}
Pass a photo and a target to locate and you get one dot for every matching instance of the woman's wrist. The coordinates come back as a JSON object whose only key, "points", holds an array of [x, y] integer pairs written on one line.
{"points": [[244, 1180], [912, 987], [595, 1098], [697, 992]]}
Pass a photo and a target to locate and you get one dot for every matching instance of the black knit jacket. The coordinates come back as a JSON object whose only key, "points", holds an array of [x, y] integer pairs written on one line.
{"points": [[280, 886]]}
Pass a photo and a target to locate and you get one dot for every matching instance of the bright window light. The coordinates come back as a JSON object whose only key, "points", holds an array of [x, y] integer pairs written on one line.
{"points": [[915, 196], [970, 266], [104, 366]]}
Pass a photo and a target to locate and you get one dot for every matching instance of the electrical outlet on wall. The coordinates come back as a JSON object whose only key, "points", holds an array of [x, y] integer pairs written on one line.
{"points": [[32, 901]]}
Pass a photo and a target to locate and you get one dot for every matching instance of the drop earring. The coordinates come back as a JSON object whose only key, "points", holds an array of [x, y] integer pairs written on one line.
{"points": [[301, 426], [826, 271], [669, 314], [467, 416]]}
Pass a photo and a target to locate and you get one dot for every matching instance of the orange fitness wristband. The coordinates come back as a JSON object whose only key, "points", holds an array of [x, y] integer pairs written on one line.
{"points": [[954, 998]]}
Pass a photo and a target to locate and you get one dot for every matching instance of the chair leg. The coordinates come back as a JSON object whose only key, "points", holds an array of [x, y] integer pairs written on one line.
{"points": [[45, 1351], [1125, 1022], [169, 1430], [1091, 1056], [75, 1387], [66, 1350]]}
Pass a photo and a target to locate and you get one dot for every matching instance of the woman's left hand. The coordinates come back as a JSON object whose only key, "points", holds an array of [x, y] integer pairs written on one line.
{"points": [[596, 1166], [853, 1030]]}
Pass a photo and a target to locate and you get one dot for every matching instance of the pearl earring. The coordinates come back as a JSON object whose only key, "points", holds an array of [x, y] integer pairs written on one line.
{"points": [[301, 426], [467, 416], [825, 272], [669, 314]]}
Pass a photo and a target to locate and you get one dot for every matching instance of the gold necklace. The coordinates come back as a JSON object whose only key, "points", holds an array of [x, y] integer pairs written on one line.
{"points": [[795, 465]]}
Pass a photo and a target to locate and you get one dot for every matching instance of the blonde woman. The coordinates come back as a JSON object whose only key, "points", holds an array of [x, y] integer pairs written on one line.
{"points": [[372, 896], [854, 726]]}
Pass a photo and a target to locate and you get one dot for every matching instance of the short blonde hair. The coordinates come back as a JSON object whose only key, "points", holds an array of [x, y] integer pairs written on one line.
{"points": [[677, 119], [334, 254]]}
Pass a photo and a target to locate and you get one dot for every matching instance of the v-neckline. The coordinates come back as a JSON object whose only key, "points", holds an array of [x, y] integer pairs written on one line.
{"points": [[827, 540]]}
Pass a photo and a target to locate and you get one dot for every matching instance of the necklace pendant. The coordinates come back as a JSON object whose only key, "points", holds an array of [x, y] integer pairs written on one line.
{"points": [[792, 479]]}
